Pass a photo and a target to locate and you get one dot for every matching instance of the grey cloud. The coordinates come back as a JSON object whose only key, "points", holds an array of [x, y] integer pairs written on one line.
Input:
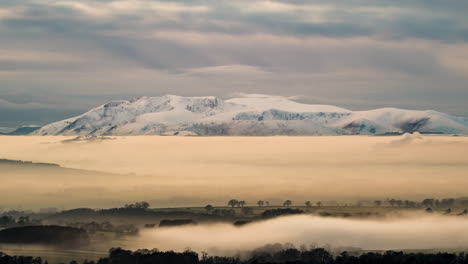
{"points": [[358, 54]]}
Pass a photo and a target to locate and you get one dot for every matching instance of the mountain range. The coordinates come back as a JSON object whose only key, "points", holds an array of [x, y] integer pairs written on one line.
{"points": [[250, 115]]}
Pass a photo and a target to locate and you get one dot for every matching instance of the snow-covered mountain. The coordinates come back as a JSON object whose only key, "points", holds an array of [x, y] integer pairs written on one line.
{"points": [[255, 115]]}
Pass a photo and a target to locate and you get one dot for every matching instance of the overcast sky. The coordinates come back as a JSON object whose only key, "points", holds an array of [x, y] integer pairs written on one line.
{"points": [[60, 58]]}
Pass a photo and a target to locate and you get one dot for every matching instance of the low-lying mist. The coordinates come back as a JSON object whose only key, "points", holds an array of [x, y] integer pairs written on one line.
{"points": [[195, 171], [403, 232]]}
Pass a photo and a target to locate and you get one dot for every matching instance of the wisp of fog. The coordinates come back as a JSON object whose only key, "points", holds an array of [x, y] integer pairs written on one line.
{"points": [[403, 232]]}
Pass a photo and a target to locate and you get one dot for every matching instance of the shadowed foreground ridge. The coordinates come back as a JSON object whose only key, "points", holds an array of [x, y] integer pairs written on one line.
{"points": [[313, 256], [52, 235]]}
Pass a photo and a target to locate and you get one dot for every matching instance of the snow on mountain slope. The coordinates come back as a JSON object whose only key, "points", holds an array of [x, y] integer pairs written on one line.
{"points": [[250, 115]]}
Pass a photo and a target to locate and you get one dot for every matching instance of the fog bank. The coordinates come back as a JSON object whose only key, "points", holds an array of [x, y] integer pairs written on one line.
{"points": [[410, 232], [195, 171]]}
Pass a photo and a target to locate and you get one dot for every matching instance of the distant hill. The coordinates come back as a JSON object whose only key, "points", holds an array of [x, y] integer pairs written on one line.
{"points": [[21, 131], [26, 163], [251, 115], [50, 169]]}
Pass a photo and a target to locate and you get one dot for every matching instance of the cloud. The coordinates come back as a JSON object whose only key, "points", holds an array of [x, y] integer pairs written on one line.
{"points": [[229, 70], [358, 54], [4, 104]]}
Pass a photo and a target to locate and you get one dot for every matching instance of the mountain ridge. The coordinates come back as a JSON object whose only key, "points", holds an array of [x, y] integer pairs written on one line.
{"points": [[251, 115]]}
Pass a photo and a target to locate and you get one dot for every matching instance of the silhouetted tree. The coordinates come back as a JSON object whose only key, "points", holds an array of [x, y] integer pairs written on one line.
{"points": [[287, 203], [260, 203], [233, 202], [209, 208], [139, 205], [308, 203], [241, 203], [378, 203], [267, 203], [319, 204]]}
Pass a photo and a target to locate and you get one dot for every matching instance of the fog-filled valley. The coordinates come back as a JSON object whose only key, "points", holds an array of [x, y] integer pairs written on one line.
{"points": [[294, 199], [194, 171]]}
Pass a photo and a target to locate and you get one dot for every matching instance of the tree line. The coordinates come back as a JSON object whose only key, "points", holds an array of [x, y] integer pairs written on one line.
{"points": [[284, 256]]}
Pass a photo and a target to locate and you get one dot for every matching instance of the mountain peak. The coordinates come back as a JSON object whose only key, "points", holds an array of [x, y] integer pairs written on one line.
{"points": [[247, 115]]}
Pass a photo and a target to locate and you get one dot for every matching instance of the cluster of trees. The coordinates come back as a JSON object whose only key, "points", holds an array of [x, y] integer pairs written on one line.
{"points": [[138, 205], [427, 202], [262, 203], [11, 221], [289, 256], [93, 227], [6, 259], [234, 202], [228, 212], [396, 203]]}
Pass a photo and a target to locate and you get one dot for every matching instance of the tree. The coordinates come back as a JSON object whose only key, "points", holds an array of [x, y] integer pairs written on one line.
{"points": [[308, 204], [392, 202], [378, 203], [267, 203], [287, 203], [260, 203], [241, 203], [139, 205], [319, 204], [233, 202], [209, 208]]}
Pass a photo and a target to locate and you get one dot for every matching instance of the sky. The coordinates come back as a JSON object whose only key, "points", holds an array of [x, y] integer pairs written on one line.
{"points": [[61, 58]]}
